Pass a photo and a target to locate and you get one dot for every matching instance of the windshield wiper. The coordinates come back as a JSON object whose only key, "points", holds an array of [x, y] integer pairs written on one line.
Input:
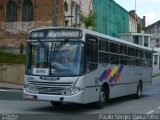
{"points": [[61, 45]]}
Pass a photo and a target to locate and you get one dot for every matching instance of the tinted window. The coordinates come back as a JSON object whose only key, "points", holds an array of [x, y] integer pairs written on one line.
{"points": [[92, 53], [114, 59], [131, 51], [138, 62], [150, 63], [149, 55], [144, 54], [103, 57], [145, 62], [103, 45], [123, 49], [123, 60], [114, 47], [131, 61], [139, 53]]}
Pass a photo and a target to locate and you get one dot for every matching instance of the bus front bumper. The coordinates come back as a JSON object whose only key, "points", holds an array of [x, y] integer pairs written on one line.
{"points": [[77, 98]]}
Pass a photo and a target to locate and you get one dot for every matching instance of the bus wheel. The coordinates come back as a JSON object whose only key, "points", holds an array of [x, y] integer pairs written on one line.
{"points": [[102, 98], [56, 104], [139, 90]]}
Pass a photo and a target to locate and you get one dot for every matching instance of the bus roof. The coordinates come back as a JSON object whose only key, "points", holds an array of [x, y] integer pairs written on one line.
{"points": [[87, 31]]}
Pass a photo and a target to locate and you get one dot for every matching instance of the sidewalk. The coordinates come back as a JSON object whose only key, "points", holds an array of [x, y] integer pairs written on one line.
{"points": [[156, 80], [4, 85]]}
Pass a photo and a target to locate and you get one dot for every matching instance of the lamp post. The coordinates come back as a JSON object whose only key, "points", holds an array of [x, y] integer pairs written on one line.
{"points": [[54, 13], [135, 7]]}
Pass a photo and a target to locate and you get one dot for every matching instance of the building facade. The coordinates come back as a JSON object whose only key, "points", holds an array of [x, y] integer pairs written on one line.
{"points": [[155, 30], [133, 22], [136, 23], [72, 12], [155, 44], [142, 39], [86, 6], [17, 17]]}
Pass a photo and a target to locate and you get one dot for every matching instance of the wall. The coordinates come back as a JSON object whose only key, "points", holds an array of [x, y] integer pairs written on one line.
{"points": [[155, 30], [42, 10], [12, 34], [132, 24], [86, 6], [72, 15], [12, 73]]}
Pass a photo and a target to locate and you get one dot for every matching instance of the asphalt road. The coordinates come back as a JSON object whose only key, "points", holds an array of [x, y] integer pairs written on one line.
{"points": [[11, 102]]}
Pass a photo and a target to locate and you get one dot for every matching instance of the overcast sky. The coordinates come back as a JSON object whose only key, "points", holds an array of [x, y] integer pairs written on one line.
{"points": [[148, 8]]}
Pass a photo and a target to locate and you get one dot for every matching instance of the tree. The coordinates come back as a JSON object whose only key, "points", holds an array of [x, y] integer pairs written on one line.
{"points": [[88, 20]]}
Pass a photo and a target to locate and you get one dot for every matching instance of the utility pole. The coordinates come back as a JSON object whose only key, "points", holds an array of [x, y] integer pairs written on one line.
{"points": [[135, 7], [54, 13]]}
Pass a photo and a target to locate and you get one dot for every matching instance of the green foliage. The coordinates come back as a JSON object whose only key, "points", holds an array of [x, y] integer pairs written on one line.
{"points": [[75, 25], [89, 20], [12, 58]]}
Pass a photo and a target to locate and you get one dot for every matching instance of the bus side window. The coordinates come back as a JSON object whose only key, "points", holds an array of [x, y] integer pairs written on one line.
{"points": [[91, 53]]}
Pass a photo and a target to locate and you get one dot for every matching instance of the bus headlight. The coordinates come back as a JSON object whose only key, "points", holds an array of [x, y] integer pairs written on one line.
{"points": [[72, 91], [30, 89]]}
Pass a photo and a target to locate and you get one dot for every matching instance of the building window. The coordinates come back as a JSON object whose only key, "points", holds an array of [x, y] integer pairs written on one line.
{"points": [[146, 39], [157, 43], [11, 11], [66, 6], [27, 10], [136, 40], [77, 14], [155, 59], [72, 13], [66, 23]]}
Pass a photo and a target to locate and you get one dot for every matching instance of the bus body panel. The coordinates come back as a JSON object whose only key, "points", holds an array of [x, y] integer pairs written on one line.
{"points": [[92, 86], [128, 80]]}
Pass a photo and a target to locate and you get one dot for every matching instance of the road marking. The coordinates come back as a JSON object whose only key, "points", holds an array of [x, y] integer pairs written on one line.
{"points": [[152, 111], [3, 90], [10, 90]]}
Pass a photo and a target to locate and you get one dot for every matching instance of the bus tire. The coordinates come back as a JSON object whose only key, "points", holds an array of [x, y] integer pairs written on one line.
{"points": [[139, 91], [102, 98], [56, 104]]}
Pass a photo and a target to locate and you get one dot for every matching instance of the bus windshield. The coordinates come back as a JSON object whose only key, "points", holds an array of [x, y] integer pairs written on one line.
{"points": [[58, 58]]}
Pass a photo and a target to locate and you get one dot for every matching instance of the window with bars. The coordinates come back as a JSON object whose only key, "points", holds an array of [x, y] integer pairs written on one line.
{"points": [[27, 10], [66, 6], [11, 11]]}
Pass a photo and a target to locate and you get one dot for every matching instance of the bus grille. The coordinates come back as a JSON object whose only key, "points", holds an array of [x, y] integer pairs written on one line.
{"points": [[55, 88]]}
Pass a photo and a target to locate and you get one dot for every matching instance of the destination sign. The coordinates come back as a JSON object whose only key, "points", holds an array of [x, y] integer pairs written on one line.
{"points": [[56, 34], [64, 34], [37, 34]]}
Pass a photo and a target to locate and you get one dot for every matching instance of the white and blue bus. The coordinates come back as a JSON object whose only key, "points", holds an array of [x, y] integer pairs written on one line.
{"points": [[82, 66]]}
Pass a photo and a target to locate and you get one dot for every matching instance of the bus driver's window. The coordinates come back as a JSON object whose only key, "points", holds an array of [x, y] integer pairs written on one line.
{"points": [[92, 53]]}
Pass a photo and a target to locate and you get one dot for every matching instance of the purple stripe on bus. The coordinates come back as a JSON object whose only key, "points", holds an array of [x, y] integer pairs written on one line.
{"points": [[120, 68], [102, 75]]}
